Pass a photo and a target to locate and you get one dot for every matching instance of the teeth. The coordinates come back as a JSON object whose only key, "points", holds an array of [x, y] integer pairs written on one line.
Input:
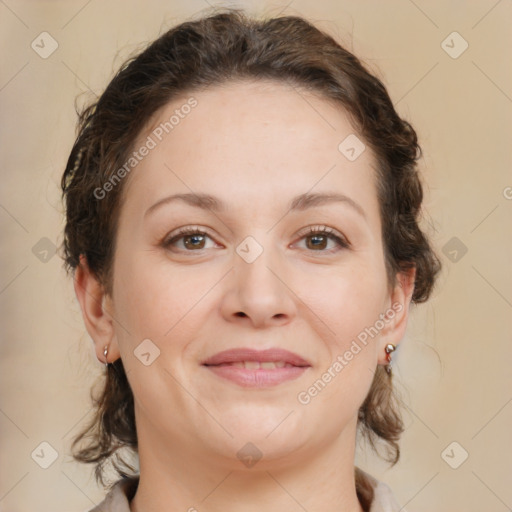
{"points": [[256, 365]]}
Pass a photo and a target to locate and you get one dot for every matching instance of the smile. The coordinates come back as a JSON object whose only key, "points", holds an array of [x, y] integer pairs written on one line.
{"points": [[257, 369]]}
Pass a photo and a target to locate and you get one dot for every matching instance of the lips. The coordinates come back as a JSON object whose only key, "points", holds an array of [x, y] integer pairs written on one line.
{"points": [[250, 368], [246, 355]]}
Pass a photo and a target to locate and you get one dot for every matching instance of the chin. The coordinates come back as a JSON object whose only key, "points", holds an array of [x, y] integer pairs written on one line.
{"points": [[254, 450]]}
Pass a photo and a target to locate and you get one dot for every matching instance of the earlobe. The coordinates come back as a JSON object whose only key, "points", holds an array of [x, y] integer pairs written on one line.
{"points": [[398, 312], [98, 322]]}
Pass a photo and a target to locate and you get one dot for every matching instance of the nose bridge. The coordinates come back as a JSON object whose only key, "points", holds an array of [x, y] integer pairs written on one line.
{"points": [[258, 290], [253, 262]]}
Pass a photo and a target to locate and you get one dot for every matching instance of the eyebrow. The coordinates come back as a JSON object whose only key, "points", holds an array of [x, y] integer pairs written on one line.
{"points": [[299, 203]]}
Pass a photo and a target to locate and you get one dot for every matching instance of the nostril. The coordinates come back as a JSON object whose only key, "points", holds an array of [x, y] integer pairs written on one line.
{"points": [[240, 313]]}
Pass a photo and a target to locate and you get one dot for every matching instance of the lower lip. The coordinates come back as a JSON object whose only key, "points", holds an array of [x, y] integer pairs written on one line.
{"points": [[259, 378]]}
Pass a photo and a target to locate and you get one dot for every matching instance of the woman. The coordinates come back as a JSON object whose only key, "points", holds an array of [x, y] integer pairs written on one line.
{"points": [[242, 226]]}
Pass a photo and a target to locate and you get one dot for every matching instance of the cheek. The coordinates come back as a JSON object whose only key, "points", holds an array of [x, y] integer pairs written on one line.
{"points": [[348, 307], [346, 301], [162, 301]]}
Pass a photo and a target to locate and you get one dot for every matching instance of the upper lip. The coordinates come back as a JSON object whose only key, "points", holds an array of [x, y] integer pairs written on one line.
{"points": [[248, 354]]}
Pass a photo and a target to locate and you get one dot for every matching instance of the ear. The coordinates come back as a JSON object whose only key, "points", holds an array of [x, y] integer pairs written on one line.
{"points": [[95, 305], [397, 313]]}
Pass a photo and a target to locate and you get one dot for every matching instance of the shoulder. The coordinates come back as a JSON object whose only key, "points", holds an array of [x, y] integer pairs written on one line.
{"points": [[377, 495], [119, 496], [373, 493], [384, 500]]}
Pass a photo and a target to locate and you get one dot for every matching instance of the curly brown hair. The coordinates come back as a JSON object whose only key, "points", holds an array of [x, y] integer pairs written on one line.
{"points": [[218, 48]]}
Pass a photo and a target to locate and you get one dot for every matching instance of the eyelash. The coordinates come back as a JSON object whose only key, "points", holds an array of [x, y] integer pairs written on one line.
{"points": [[326, 231], [329, 233]]}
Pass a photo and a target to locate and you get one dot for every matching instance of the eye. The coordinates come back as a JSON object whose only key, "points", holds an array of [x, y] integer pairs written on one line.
{"points": [[318, 237], [190, 239]]}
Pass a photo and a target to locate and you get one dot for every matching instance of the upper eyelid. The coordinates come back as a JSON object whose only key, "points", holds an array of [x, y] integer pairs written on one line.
{"points": [[321, 228]]}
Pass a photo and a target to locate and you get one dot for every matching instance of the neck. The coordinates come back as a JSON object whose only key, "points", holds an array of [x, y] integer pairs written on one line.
{"points": [[175, 479]]}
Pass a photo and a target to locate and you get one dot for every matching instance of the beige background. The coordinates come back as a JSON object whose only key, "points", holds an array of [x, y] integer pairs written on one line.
{"points": [[454, 366]]}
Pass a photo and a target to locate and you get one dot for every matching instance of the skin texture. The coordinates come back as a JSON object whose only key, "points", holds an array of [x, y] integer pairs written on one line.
{"points": [[255, 146]]}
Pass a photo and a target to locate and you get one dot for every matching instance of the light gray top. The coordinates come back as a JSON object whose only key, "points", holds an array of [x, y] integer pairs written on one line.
{"points": [[118, 498]]}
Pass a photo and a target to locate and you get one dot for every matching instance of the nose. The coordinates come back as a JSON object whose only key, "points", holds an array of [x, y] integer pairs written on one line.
{"points": [[257, 293]]}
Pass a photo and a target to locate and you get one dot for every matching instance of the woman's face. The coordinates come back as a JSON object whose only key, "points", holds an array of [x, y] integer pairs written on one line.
{"points": [[248, 275]]}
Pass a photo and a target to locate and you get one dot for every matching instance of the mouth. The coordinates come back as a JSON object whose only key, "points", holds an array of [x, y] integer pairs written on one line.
{"points": [[257, 368]]}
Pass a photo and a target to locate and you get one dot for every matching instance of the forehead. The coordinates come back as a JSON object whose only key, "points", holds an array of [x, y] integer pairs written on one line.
{"points": [[250, 139], [251, 112]]}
